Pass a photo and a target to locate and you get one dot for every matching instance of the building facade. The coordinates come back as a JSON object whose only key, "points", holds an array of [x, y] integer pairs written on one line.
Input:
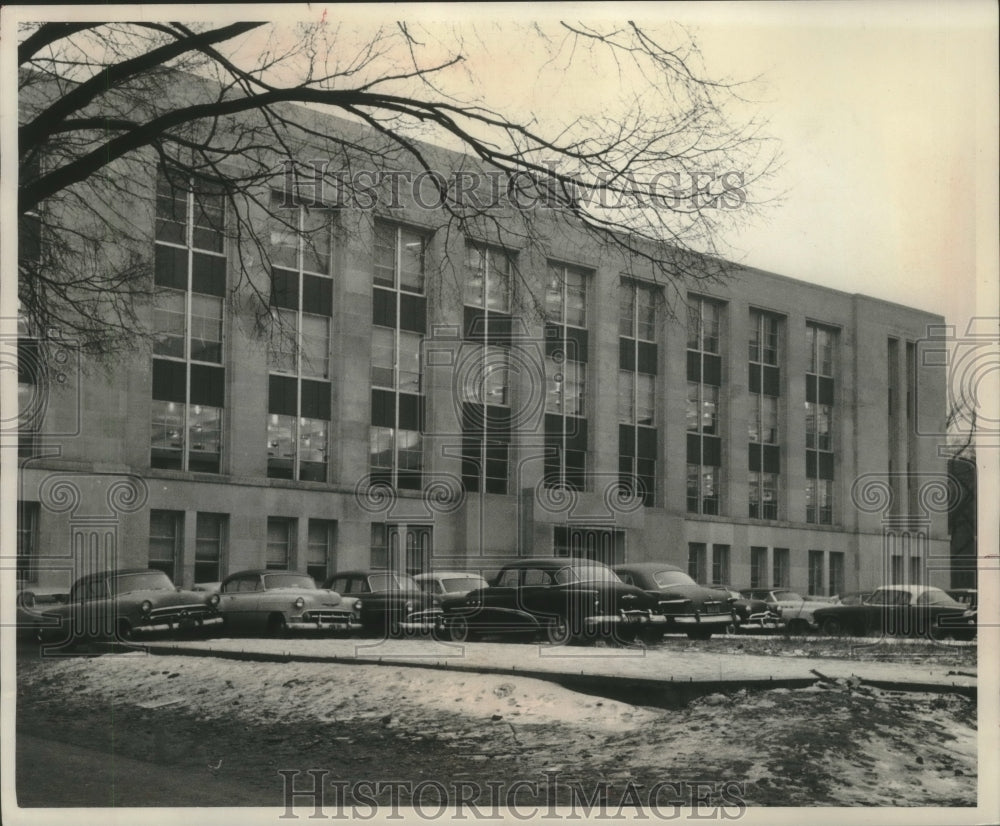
{"points": [[422, 399]]}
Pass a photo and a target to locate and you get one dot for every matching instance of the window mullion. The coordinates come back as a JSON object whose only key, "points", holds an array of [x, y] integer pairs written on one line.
{"points": [[395, 375], [189, 239]]}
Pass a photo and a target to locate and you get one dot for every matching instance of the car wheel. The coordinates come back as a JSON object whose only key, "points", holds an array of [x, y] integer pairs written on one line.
{"points": [[276, 625], [557, 631], [700, 634], [833, 627], [125, 633], [459, 631]]}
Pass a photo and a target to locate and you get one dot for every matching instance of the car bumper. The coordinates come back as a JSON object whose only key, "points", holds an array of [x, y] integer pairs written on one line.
{"points": [[713, 620], [186, 622], [766, 619], [626, 618], [323, 625]]}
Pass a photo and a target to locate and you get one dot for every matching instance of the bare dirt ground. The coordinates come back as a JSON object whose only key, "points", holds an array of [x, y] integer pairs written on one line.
{"points": [[231, 726]]}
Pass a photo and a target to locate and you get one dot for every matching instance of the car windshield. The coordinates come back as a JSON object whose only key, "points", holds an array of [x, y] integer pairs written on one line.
{"points": [[585, 573], [787, 596], [275, 581], [148, 581], [392, 582], [467, 583], [672, 579]]}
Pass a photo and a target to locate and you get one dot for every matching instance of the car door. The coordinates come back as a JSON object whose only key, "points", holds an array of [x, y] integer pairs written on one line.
{"points": [[500, 601], [542, 596]]}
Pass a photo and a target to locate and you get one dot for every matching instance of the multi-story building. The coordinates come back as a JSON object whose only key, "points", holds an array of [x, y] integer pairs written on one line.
{"points": [[402, 410]]}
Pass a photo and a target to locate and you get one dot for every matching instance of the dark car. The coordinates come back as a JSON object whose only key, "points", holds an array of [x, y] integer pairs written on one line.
{"points": [[276, 602], [387, 602], [556, 598], [32, 603], [694, 609], [121, 604], [912, 610]]}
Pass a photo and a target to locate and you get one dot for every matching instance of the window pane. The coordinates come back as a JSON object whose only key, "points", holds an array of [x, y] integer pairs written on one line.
{"points": [[576, 299], [280, 446], [206, 328], [495, 376], [278, 542], [409, 362], [498, 282], [475, 277], [411, 273], [315, 345], [385, 255], [554, 294], [312, 449], [282, 347], [205, 425], [383, 357], [626, 396], [626, 310], [316, 241], [380, 447], [167, 434], [645, 399], [168, 323]]}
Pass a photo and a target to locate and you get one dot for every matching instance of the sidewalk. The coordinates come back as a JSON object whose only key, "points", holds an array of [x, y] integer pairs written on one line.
{"points": [[653, 669]]}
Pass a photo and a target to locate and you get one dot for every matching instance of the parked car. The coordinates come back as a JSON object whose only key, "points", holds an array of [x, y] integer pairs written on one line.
{"points": [[388, 603], [914, 610], [749, 613], [124, 603], [851, 598], [276, 602], [556, 598], [449, 583], [30, 617], [694, 609], [786, 609]]}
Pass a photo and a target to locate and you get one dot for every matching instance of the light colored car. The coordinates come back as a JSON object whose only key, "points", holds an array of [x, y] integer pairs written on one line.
{"points": [[449, 583], [794, 612], [275, 602], [120, 604]]}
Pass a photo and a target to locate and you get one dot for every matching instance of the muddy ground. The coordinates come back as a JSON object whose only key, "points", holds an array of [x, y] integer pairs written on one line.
{"points": [[226, 728]]}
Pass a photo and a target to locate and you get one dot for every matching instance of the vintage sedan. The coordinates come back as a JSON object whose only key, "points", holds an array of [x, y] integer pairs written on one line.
{"points": [[388, 603], [558, 599], [687, 606], [785, 608], [125, 603], [277, 602], [910, 610]]}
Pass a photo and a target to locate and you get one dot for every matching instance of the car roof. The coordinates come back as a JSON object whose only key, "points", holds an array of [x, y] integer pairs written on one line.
{"points": [[119, 572], [551, 562], [366, 572], [261, 571], [648, 566], [911, 589], [442, 574]]}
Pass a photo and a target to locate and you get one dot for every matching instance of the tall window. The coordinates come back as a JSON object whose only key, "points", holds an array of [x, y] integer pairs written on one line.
{"points": [[27, 542], [758, 567], [816, 566], [320, 549], [399, 313], [190, 280], [166, 531], [485, 369], [697, 556], [704, 376], [280, 541], [566, 377], [781, 568], [209, 547], [765, 389], [299, 407], [637, 369], [836, 579], [720, 564], [29, 366], [819, 425]]}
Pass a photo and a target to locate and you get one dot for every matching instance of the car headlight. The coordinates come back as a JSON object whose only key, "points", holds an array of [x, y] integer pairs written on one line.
{"points": [[213, 600], [146, 607], [299, 602], [408, 606], [357, 605]]}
